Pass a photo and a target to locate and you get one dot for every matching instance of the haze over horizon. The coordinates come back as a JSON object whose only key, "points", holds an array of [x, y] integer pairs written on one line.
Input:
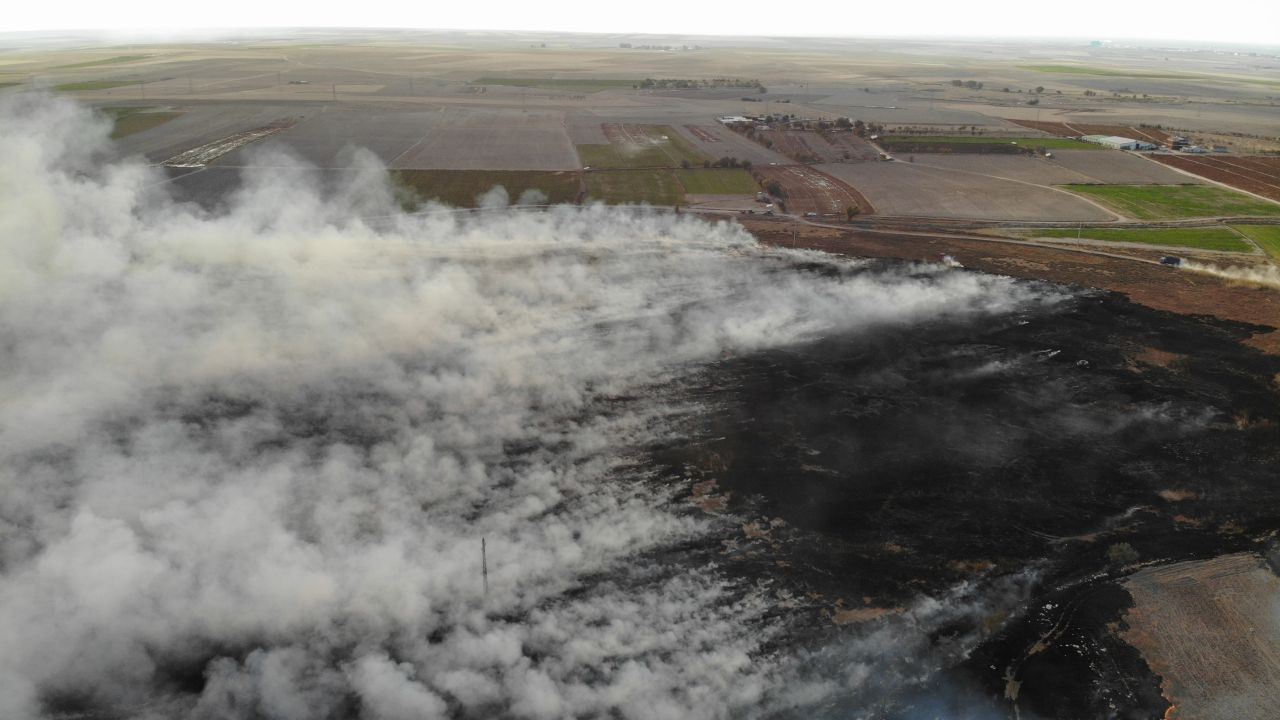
{"points": [[1235, 22]]}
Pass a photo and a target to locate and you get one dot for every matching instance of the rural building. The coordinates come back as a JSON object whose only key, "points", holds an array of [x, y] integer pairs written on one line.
{"points": [[1119, 143], [732, 119]]}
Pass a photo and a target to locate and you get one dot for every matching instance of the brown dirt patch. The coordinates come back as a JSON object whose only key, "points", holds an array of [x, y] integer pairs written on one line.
{"points": [[1259, 175], [810, 190], [1210, 630]]}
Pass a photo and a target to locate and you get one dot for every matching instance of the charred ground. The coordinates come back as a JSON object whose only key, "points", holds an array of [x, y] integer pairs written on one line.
{"points": [[1072, 443]]}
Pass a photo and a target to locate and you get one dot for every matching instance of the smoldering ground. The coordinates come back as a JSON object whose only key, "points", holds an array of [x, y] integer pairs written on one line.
{"points": [[249, 455]]}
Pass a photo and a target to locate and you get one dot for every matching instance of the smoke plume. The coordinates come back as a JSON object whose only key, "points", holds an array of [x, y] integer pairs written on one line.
{"points": [[248, 456]]}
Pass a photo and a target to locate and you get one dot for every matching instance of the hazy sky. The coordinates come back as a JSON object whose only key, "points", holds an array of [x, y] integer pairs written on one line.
{"points": [[1241, 21]]}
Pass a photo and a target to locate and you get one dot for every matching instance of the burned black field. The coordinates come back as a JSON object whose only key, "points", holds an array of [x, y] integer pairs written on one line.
{"points": [[1018, 461]]}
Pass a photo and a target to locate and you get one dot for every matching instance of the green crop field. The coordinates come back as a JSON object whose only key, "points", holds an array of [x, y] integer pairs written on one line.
{"points": [[106, 61], [665, 149], [1211, 238], [93, 85], [717, 181], [460, 188], [1267, 237], [130, 120], [616, 156], [1158, 202], [656, 187], [582, 84], [908, 142]]}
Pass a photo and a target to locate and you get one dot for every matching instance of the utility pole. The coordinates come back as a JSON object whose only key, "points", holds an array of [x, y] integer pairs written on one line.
{"points": [[335, 92], [484, 566]]}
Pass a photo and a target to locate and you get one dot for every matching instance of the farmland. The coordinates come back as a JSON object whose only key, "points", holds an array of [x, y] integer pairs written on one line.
{"points": [[93, 85], [105, 61], [460, 188], [1210, 630], [1103, 72], [1267, 237], [655, 187], [1212, 238], [481, 139], [1065, 167], [1161, 202], [1259, 175], [129, 120], [717, 181], [807, 189], [580, 84], [1071, 130], [917, 190], [978, 144], [640, 146]]}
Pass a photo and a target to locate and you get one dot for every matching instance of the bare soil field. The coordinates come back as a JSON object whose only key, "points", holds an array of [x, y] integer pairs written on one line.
{"points": [[1074, 129], [1066, 166], [1152, 285], [725, 142], [901, 188], [858, 149], [1259, 175], [810, 190], [493, 140], [799, 145], [702, 134], [1210, 629]]}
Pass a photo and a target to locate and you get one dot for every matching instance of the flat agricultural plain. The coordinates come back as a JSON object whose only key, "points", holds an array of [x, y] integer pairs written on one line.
{"points": [[1065, 167], [913, 189], [809, 189], [1210, 629], [1221, 239], [1160, 202], [1258, 175], [640, 146], [463, 188], [1266, 236], [493, 140], [655, 187], [1065, 129]]}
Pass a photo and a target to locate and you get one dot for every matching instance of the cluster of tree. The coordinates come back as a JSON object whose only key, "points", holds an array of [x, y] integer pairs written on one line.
{"points": [[862, 129], [681, 84], [724, 162], [971, 84]]}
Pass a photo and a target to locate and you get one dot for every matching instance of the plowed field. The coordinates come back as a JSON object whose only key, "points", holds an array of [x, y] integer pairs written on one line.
{"points": [[1258, 175]]}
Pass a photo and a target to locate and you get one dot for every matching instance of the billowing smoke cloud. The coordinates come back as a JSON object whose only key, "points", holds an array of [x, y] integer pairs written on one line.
{"points": [[248, 456], [1265, 275]]}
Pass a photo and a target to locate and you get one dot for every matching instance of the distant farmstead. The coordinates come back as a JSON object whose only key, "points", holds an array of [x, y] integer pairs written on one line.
{"points": [[1119, 143]]}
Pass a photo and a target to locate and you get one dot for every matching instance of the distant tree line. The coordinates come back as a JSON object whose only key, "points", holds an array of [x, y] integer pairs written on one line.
{"points": [[971, 84], [682, 84]]}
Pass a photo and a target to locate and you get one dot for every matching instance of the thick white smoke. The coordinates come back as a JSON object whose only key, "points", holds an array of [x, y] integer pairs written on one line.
{"points": [[248, 457]]}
